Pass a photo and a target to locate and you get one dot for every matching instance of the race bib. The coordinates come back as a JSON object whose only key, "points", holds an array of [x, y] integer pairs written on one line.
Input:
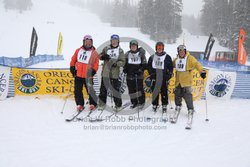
{"points": [[158, 62], [84, 56], [180, 64], [134, 58], [113, 53]]}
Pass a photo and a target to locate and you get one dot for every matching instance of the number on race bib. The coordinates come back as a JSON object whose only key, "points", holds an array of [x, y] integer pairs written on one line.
{"points": [[180, 66]]}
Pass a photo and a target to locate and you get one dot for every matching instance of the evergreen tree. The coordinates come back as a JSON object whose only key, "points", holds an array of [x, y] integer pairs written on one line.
{"points": [[145, 16], [161, 19], [20, 5], [224, 19], [124, 14]]}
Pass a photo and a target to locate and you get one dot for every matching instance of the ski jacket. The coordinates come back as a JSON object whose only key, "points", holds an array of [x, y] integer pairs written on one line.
{"points": [[136, 63], [86, 62], [184, 68], [114, 58], [160, 63]]}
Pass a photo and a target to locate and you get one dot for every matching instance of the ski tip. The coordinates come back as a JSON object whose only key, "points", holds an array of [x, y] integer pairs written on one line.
{"points": [[164, 120], [188, 128]]}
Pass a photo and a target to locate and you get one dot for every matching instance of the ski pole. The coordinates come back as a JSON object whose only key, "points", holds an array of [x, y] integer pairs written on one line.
{"points": [[169, 101], [137, 98], [111, 93], [68, 95], [205, 101], [65, 101]]}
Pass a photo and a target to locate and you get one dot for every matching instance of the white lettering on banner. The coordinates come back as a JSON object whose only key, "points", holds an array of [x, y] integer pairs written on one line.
{"points": [[158, 61], [134, 58], [4, 82], [84, 56], [181, 64], [113, 53]]}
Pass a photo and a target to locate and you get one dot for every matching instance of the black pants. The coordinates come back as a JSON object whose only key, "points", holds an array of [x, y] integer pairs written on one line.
{"points": [[186, 94], [114, 85], [136, 91], [88, 83], [160, 88]]}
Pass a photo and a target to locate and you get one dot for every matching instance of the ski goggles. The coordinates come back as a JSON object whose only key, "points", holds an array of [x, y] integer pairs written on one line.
{"points": [[161, 47]]}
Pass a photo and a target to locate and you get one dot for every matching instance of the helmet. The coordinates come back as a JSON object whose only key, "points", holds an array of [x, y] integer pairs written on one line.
{"points": [[181, 47], [87, 37], [133, 42], [159, 44], [114, 36]]}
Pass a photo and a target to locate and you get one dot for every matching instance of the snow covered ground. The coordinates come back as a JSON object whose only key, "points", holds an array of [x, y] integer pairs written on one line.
{"points": [[33, 132]]}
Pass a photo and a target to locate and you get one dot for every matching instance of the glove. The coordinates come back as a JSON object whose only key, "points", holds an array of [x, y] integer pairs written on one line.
{"points": [[139, 71], [105, 57], [153, 76], [152, 85], [73, 71], [203, 75], [125, 70], [114, 65], [91, 73]]}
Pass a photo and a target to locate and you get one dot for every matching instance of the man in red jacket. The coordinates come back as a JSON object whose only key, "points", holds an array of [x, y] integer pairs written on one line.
{"points": [[83, 66]]}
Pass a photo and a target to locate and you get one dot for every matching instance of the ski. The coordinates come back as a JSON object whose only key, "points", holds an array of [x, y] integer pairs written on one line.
{"points": [[188, 126], [86, 115], [138, 109], [152, 114], [164, 117], [190, 120], [174, 117], [73, 116], [98, 116]]}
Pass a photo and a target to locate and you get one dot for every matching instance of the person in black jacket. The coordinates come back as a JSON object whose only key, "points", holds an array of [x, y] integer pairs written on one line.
{"points": [[135, 65], [160, 68]]}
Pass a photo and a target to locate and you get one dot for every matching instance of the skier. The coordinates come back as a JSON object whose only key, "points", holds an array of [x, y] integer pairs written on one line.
{"points": [[184, 64], [136, 63], [113, 57], [83, 66], [160, 68]]}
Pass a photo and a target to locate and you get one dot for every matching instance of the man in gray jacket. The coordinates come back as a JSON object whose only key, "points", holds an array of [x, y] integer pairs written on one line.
{"points": [[114, 58]]}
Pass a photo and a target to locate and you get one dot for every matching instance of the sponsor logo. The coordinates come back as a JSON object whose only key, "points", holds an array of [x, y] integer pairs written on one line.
{"points": [[148, 85], [3, 83], [28, 82], [220, 85]]}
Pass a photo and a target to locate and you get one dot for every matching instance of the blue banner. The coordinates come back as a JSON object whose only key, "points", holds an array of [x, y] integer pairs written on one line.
{"points": [[25, 62]]}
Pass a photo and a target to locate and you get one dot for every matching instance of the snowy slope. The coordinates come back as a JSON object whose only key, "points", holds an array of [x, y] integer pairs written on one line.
{"points": [[51, 17]]}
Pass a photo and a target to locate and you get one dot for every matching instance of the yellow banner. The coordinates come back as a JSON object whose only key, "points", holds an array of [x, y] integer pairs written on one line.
{"points": [[59, 82], [41, 82], [60, 44], [198, 85]]}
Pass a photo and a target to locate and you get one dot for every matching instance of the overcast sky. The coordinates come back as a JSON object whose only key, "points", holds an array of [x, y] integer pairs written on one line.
{"points": [[192, 7]]}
